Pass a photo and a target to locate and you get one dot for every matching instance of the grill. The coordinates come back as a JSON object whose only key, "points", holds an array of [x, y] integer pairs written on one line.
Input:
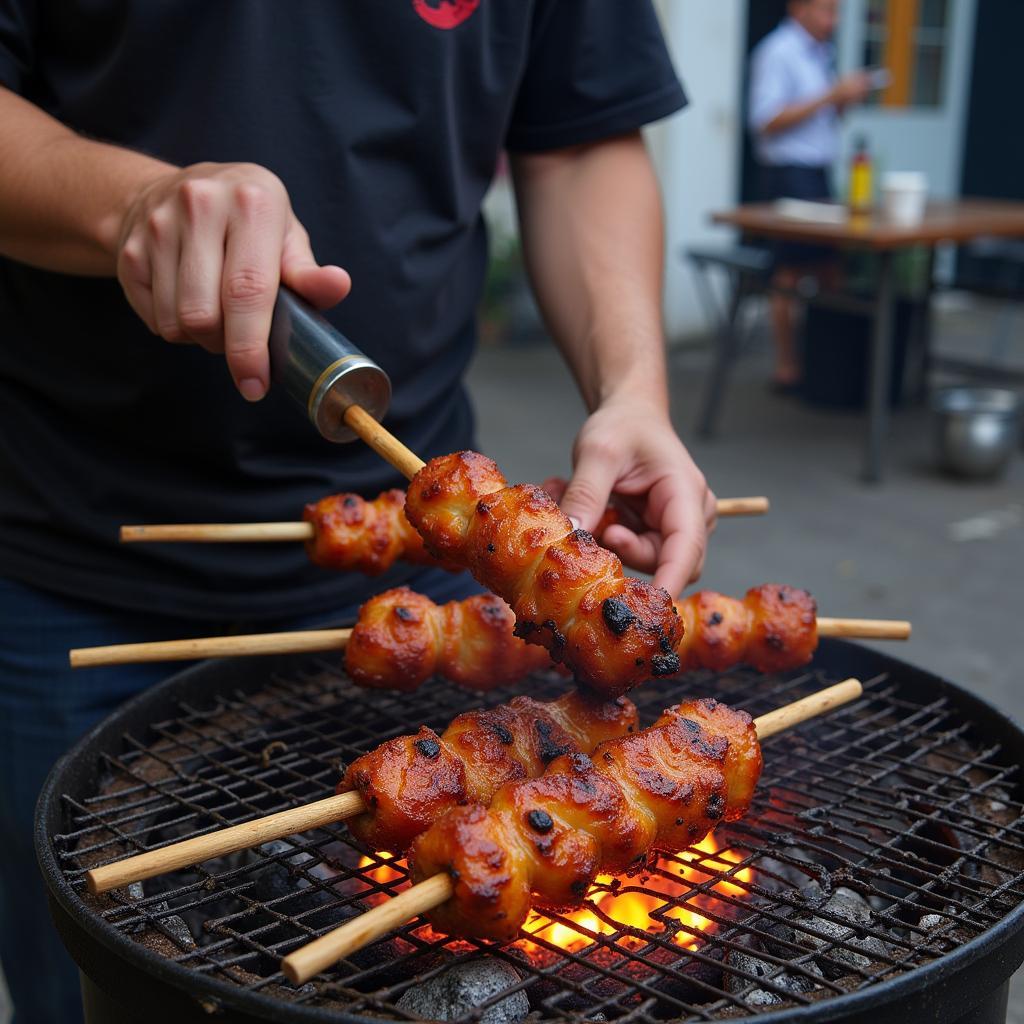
{"points": [[879, 875]]}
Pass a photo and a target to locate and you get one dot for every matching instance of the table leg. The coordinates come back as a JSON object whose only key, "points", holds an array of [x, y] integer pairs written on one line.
{"points": [[880, 369], [921, 335], [725, 353]]}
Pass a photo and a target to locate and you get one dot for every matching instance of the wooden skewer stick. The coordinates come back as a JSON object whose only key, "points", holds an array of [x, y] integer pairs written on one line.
{"points": [[808, 707], [309, 960], [218, 533], [408, 463], [756, 505], [248, 533], [866, 629], [313, 640], [299, 642], [383, 442], [224, 841]]}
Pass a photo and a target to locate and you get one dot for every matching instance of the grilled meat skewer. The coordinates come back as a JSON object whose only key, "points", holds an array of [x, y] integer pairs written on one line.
{"points": [[392, 793], [350, 532], [403, 638], [477, 871], [408, 782], [544, 840], [369, 536], [568, 593]]}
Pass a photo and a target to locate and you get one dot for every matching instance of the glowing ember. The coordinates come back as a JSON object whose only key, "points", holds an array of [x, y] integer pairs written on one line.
{"points": [[617, 906]]}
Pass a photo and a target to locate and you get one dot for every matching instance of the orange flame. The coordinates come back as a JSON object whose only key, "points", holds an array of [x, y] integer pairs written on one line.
{"points": [[617, 905]]}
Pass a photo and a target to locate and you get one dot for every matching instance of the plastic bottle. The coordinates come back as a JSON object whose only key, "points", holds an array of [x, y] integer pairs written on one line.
{"points": [[861, 174]]}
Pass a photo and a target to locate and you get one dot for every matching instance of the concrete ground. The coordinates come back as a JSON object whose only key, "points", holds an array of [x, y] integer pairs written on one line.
{"points": [[948, 555]]}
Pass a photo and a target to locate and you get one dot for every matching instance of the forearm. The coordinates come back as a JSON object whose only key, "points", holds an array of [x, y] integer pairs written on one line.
{"points": [[791, 116], [63, 197], [591, 224]]}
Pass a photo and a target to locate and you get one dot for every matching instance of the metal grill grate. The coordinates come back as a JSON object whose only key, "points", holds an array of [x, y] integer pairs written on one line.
{"points": [[889, 806]]}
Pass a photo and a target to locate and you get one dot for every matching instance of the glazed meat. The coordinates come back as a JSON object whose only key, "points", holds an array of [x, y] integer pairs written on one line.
{"points": [[402, 639], [773, 628], [367, 536], [568, 593], [353, 534], [543, 841], [408, 782]]}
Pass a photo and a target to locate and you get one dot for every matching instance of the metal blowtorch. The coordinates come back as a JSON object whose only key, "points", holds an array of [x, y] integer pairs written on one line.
{"points": [[321, 369]]}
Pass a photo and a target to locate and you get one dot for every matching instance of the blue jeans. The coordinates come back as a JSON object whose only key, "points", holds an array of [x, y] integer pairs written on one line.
{"points": [[44, 708]]}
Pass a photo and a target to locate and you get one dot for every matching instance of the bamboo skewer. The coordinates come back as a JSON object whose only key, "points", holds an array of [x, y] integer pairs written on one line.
{"points": [[218, 533], [865, 629], [755, 505], [298, 642], [309, 960], [314, 640], [224, 841], [383, 442], [248, 533]]}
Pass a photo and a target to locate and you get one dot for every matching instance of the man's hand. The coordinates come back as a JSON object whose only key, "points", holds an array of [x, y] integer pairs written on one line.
{"points": [[200, 256], [848, 90], [853, 88], [636, 457], [199, 251]]}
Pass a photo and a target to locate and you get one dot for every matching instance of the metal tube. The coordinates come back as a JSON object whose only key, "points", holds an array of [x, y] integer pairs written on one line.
{"points": [[321, 369]]}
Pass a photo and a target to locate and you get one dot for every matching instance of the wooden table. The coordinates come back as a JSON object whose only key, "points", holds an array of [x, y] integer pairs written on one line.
{"points": [[957, 221]]}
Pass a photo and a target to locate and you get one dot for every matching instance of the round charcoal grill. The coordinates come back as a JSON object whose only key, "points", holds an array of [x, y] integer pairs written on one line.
{"points": [[880, 875]]}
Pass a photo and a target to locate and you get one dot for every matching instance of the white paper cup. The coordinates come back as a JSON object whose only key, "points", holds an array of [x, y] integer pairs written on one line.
{"points": [[904, 194]]}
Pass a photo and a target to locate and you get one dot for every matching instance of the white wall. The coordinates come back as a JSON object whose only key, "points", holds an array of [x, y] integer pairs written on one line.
{"points": [[697, 151]]}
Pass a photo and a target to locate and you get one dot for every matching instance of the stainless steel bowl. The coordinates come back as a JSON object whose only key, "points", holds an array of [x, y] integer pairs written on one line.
{"points": [[976, 429]]}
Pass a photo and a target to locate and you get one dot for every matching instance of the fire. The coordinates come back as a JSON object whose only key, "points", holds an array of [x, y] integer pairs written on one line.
{"points": [[618, 906], [626, 908]]}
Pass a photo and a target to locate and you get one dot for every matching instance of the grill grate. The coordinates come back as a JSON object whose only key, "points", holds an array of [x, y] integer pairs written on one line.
{"points": [[889, 805]]}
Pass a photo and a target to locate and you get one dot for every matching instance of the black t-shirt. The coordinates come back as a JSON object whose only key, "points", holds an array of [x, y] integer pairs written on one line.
{"points": [[384, 119]]}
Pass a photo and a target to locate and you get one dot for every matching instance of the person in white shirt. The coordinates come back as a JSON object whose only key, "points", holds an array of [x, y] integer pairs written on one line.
{"points": [[794, 107]]}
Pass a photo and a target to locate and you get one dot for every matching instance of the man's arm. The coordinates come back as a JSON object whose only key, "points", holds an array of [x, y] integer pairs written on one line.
{"points": [[63, 198], [592, 237], [851, 89], [199, 250]]}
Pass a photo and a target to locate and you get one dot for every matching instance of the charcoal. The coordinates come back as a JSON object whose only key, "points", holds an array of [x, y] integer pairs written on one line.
{"points": [[997, 798], [931, 921], [276, 879], [787, 870], [745, 961], [172, 924], [844, 903], [179, 931], [464, 987], [853, 906], [762, 997], [283, 880]]}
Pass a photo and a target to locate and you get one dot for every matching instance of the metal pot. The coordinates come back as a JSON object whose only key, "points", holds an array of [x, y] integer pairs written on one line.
{"points": [[976, 429]]}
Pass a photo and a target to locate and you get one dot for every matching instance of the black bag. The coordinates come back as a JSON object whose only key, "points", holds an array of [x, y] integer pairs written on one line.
{"points": [[836, 353]]}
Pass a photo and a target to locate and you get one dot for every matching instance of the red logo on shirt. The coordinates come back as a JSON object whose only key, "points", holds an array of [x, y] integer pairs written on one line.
{"points": [[445, 13]]}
